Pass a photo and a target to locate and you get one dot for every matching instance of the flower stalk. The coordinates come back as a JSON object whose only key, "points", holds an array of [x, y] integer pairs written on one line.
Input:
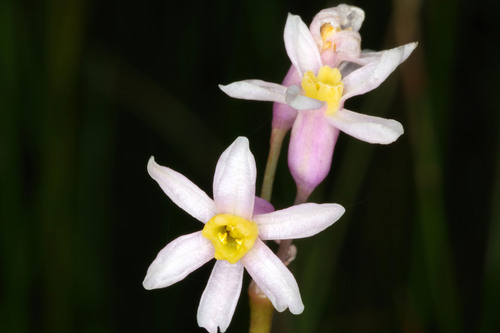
{"points": [[276, 142], [261, 310]]}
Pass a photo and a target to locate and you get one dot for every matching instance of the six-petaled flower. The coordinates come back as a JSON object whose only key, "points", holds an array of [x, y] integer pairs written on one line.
{"points": [[234, 233]]}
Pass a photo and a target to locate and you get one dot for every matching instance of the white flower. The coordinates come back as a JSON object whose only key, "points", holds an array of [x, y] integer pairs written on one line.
{"points": [[233, 234]]}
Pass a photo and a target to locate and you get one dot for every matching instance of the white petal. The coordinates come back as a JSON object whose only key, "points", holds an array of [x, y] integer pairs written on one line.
{"points": [[182, 192], [176, 260], [298, 221], [220, 297], [366, 128], [272, 276], [255, 90], [371, 75], [300, 102], [300, 46], [234, 180]]}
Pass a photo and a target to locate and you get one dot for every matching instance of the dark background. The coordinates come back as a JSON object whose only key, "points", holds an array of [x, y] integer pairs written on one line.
{"points": [[89, 90]]}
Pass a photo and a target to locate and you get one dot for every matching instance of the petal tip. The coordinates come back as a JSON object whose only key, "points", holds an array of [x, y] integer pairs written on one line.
{"points": [[297, 309], [148, 284], [152, 166]]}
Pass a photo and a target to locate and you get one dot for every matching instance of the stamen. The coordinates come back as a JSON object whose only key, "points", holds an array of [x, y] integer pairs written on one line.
{"points": [[239, 241], [326, 31], [223, 237]]}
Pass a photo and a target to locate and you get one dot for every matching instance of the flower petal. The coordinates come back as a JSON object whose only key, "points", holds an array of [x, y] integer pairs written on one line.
{"points": [[310, 151], [262, 206], [300, 46], [342, 16], [255, 90], [295, 99], [176, 260], [366, 128], [220, 297], [298, 221], [372, 74], [272, 276], [234, 180], [182, 192], [283, 114]]}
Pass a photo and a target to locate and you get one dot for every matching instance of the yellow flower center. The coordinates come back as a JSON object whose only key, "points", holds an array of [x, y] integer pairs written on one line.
{"points": [[327, 87], [326, 31], [232, 236]]}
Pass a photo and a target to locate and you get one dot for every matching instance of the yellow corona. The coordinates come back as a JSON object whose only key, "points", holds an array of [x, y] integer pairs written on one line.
{"points": [[327, 87], [232, 236]]}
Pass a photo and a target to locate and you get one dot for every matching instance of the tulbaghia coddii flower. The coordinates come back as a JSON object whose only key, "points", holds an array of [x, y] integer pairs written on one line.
{"points": [[233, 233], [320, 98]]}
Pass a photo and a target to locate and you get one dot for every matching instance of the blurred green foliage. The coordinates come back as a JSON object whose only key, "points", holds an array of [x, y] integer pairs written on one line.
{"points": [[90, 89]]}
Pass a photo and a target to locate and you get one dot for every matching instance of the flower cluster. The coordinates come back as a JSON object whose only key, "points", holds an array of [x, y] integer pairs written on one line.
{"points": [[328, 67]]}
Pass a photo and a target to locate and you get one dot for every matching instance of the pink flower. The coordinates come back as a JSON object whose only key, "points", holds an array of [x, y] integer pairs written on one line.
{"points": [[316, 108], [233, 233]]}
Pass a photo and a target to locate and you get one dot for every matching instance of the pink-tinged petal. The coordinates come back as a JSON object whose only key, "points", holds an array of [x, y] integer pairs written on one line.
{"points": [[272, 276], [310, 151], [234, 180], [342, 16], [182, 192], [371, 75], [176, 260], [283, 114], [220, 297], [366, 128], [295, 99], [255, 90], [298, 221], [292, 77], [300, 46], [262, 206], [346, 47]]}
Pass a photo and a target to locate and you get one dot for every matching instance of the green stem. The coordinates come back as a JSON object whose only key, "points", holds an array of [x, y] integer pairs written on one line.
{"points": [[277, 136], [261, 308]]}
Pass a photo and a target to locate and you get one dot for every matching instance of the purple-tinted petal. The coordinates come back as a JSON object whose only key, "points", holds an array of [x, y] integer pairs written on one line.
{"points": [[182, 192], [371, 75], [311, 149], [220, 297], [366, 128], [283, 114], [295, 99], [234, 180], [300, 46], [262, 206], [298, 221], [176, 260], [272, 276], [255, 90]]}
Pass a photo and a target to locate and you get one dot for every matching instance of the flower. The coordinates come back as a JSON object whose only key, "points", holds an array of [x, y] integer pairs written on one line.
{"points": [[335, 31], [320, 100], [236, 224]]}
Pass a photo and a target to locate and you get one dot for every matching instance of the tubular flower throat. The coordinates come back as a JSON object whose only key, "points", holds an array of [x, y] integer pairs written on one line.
{"points": [[232, 236], [327, 87]]}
